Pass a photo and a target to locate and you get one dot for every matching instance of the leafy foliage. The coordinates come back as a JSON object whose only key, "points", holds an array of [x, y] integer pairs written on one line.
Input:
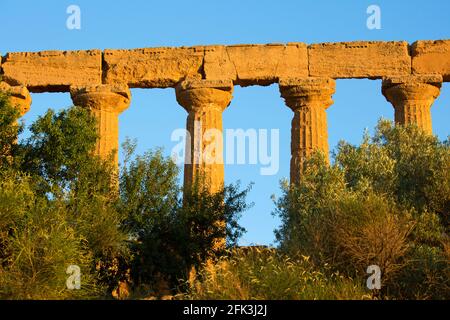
{"points": [[68, 210], [9, 129], [57, 207], [170, 234], [385, 202]]}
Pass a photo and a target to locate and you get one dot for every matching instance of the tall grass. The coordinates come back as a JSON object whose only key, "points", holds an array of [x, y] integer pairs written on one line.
{"points": [[260, 274]]}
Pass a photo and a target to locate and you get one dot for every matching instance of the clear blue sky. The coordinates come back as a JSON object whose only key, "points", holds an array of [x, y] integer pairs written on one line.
{"points": [[154, 114]]}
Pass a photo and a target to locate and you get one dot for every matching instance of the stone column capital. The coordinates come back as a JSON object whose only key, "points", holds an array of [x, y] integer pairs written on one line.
{"points": [[19, 96], [301, 92], [412, 97], [111, 98], [105, 102], [397, 90], [194, 95]]}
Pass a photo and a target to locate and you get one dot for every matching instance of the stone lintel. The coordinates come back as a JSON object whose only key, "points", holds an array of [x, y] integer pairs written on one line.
{"points": [[359, 59], [431, 56], [53, 71]]}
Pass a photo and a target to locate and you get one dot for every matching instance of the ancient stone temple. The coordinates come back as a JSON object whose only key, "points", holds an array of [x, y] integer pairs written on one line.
{"points": [[203, 78]]}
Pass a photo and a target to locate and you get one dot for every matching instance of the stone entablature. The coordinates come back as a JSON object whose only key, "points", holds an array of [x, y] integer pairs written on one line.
{"points": [[57, 71]]}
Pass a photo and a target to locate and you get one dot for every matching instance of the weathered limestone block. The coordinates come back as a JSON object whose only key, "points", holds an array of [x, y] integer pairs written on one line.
{"points": [[105, 102], [308, 98], [53, 71], [217, 64], [431, 57], [19, 96], [293, 62], [266, 64], [362, 59], [204, 100], [152, 67], [412, 97]]}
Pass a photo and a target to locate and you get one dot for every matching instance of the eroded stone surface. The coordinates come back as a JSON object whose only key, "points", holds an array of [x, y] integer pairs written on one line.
{"points": [[363, 59], [53, 71], [431, 57], [293, 62], [152, 67], [217, 64], [265, 64]]}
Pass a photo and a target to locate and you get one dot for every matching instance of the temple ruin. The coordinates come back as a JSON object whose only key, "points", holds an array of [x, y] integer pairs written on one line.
{"points": [[203, 78]]}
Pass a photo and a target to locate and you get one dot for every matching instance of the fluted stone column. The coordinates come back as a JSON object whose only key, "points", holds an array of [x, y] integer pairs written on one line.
{"points": [[19, 97], [204, 100], [105, 102], [412, 98], [308, 98]]}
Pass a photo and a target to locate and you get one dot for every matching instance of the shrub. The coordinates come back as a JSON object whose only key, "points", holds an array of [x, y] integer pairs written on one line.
{"points": [[385, 202], [169, 234], [57, 208], [38, 244]]}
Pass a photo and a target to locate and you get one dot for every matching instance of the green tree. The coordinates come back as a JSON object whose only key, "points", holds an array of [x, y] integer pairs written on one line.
{"points": [[384, 202], [58, 208], [9, 130], [404, 163], [67, 210], [168, 234]]}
